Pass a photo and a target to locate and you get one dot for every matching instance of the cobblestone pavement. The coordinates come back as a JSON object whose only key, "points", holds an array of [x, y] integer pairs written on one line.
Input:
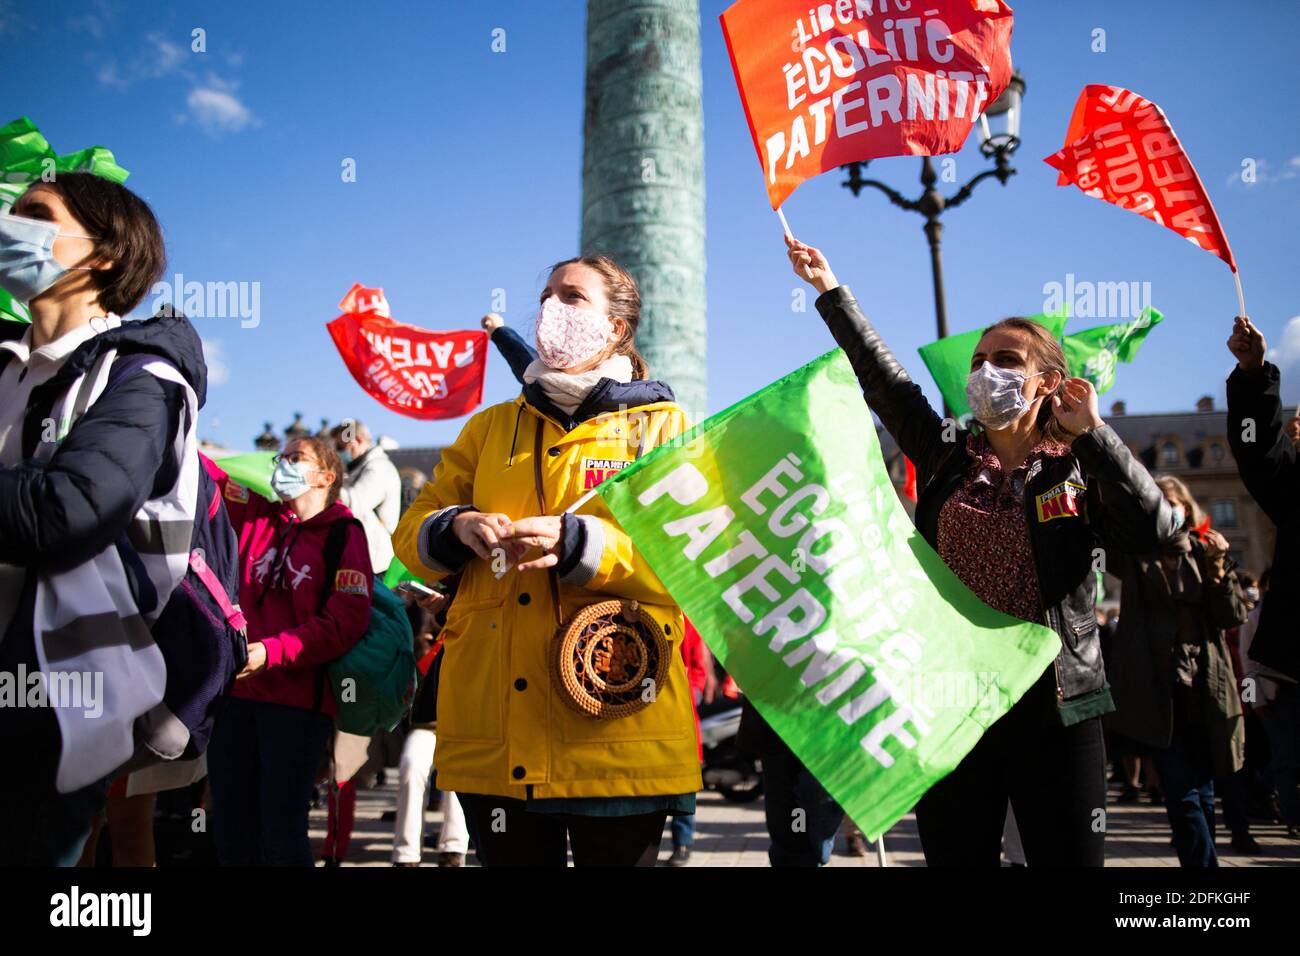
{"points": [[731, 834]]}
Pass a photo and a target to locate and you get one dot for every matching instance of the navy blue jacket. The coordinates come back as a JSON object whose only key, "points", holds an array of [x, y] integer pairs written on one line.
{"points": [[60, 513]]}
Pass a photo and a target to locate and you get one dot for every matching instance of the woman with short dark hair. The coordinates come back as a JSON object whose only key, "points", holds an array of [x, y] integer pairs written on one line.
{"points": [[89, 463]]}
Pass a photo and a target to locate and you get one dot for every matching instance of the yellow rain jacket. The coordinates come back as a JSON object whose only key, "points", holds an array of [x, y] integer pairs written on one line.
{"points": [[502, 725]]}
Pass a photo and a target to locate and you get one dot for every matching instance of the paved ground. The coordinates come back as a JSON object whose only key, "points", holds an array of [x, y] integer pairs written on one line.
{"points": [[730, 834]]}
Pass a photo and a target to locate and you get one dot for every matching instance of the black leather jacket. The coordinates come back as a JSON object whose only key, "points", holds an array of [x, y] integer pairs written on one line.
{"points": [[1120, 506]]}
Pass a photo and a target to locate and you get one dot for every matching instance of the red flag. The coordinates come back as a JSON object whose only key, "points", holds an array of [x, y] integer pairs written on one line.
{"points": [[413, 371], [1121, 148], [909, 482], [827, 84], [1204, 526], [361, 299]]}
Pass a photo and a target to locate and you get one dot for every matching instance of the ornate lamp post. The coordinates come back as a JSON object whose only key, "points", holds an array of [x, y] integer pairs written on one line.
{"points": [[998, 140]]}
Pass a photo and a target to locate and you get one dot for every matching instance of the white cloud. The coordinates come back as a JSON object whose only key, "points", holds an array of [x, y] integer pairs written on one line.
{"points": [[95, 21], [212, 102], [1285, 354], [218, 110], [109, 75], [167, 56], [214, 355], [1265, 174], [11, 23]]}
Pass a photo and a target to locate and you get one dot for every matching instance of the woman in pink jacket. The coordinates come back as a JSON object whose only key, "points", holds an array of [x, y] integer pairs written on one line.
{"points": [[268, 740]]}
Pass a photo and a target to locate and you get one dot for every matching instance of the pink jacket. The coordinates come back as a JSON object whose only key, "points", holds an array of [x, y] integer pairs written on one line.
{"points": [[283, 596]]}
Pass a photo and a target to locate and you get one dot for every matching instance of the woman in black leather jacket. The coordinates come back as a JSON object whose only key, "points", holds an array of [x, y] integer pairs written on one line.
{"points": [[1022, 509]]}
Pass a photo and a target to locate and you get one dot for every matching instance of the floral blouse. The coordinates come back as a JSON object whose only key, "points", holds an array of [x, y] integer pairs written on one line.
{"points": [[984, 534]]}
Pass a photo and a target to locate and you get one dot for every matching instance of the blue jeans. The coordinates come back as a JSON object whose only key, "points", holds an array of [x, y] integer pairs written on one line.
{"points": [[262, 765], [1187, 781], [802, 817], [683, 830], [1282, 724]]}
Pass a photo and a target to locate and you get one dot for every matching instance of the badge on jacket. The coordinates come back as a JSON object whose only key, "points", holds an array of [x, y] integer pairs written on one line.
{"points": [[236, 493], [348, 581], [1060, 502], [596, 470]]}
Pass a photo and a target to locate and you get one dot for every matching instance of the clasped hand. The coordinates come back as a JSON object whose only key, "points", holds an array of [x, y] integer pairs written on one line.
{"points": [[490, 533]]}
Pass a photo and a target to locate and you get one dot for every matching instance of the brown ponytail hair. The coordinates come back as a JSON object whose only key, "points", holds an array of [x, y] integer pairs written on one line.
{"points": [[624, 303], [1046, 353]]}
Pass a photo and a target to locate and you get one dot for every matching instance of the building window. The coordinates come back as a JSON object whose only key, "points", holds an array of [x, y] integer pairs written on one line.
{"points": [[1223, 513], [1217, 454], [1168, 454]]}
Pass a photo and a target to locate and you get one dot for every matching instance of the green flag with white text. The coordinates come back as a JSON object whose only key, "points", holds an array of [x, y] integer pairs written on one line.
{"points": [[1093, 353], [775, 526]]}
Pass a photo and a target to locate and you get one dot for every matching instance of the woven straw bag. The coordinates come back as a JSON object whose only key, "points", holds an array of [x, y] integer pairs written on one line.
{"points": [[612, 658]]}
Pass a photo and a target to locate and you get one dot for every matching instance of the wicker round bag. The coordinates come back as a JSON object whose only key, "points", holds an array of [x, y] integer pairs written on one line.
{"points": [[603, 658]]}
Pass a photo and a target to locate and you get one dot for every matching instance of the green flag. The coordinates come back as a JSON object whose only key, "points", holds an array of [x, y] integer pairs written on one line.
{"points": [[26, 157], [1093, 353], [775, 526], [948, 360], [252, 470]]}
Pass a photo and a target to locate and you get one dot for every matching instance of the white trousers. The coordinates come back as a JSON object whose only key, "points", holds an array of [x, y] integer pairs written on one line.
{"points": [[412, 791]]}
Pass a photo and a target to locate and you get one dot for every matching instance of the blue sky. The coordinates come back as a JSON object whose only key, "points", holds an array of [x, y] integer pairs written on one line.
{"points": [[468, 180]]}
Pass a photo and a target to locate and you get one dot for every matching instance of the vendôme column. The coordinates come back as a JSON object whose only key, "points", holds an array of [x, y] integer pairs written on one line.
{"points": [[643, 175]]}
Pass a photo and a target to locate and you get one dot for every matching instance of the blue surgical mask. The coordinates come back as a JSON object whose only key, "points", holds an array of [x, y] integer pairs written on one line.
{"points": [[996, 395], [345, 456], [289, 480], [27, 263], [1180, 516]]}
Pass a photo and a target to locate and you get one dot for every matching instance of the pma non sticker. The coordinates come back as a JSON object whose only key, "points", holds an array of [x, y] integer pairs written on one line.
{"points": [[1060, 502], [596, 470], [347, 581]]}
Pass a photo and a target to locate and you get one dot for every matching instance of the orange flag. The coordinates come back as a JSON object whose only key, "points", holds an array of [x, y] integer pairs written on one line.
{"points": [[833, 83]]}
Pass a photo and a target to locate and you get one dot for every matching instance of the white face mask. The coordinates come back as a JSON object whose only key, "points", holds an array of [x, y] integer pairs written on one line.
{"points": [[996, 395], [568, 336]]}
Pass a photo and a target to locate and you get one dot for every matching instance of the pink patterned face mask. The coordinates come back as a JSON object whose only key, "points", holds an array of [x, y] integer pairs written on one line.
{"points": [[569, 336]]}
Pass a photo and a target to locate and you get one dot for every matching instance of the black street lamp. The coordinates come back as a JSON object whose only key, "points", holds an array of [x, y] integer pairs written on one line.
{"points": [[997, 142]]}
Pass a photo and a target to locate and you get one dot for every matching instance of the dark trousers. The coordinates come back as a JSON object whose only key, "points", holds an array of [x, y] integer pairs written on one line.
{"points": [[45, 829], [801, 816], [1187, 781], [505, 833], [1282, 724], [1054, 777], [262, 765], [1233, 792]]}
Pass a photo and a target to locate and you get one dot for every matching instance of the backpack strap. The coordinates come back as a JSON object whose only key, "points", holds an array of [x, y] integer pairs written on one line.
{"points": [[205, 574], [335, 540]]}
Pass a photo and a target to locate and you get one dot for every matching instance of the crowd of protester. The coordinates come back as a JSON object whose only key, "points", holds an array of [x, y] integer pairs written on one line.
{"points": [[1183, 693]]}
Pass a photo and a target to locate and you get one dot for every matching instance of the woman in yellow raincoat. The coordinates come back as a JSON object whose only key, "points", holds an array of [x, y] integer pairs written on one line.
{"points": [[530, 769]]}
